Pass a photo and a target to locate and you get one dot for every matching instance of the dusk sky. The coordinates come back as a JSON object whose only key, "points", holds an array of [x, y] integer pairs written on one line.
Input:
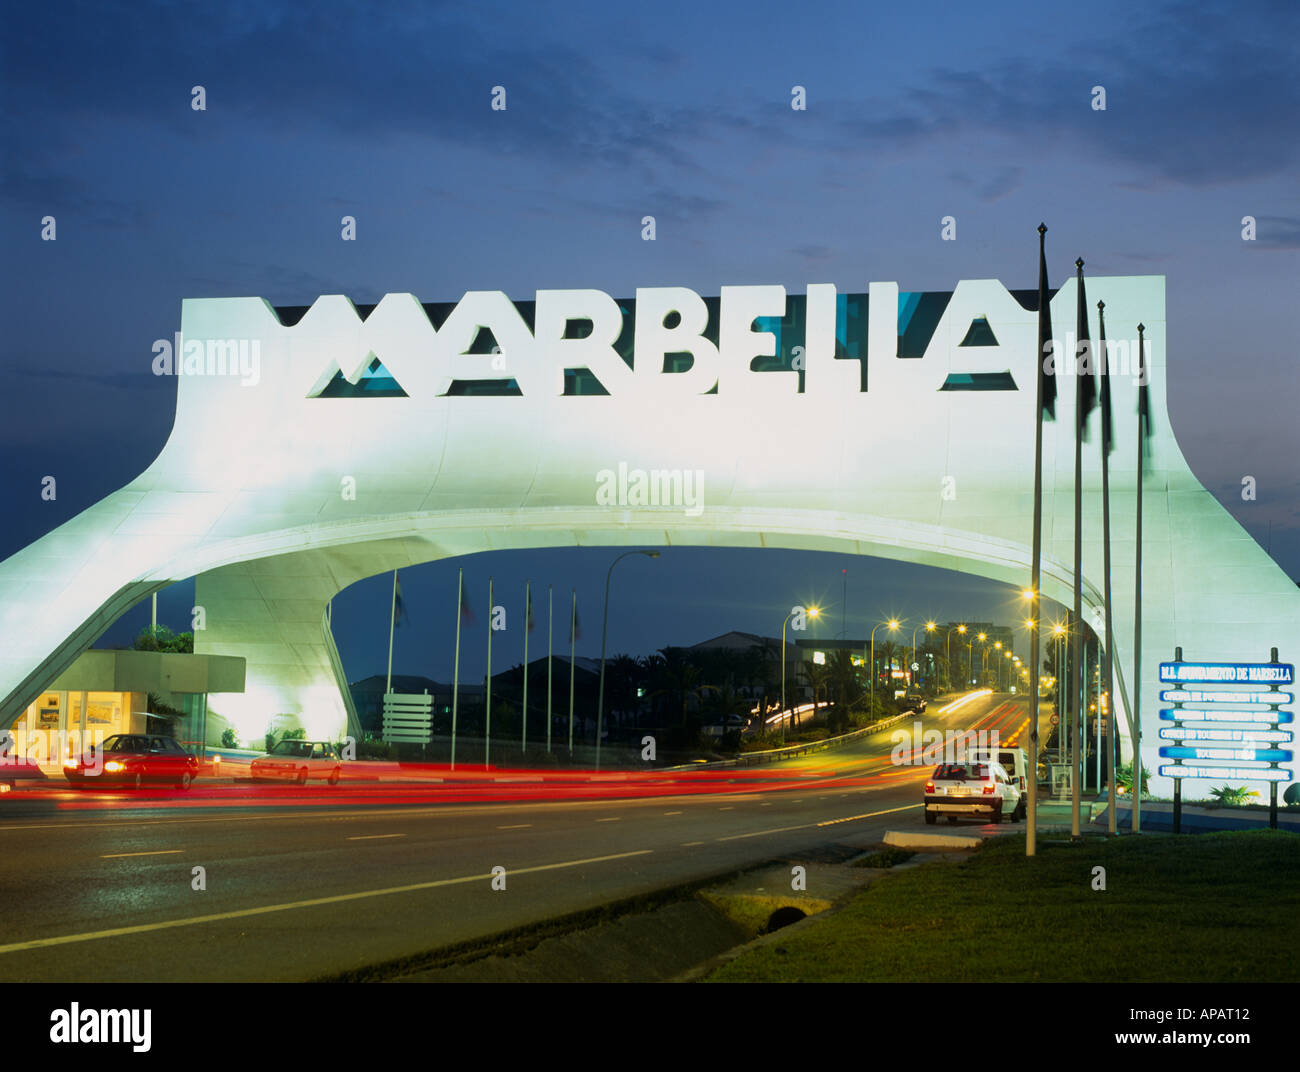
{"points": [[617, 111]]}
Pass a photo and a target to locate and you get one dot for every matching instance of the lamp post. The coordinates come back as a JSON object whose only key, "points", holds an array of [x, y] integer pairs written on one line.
{"points": [[984, 651], [947, 643], [812, 613], [604, 629], [929, 628], [997, 674], [1058, 632], [893, 625]]}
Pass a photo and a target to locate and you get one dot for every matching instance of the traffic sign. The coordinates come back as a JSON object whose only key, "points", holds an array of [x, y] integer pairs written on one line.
{"points": [[1056, 720]]}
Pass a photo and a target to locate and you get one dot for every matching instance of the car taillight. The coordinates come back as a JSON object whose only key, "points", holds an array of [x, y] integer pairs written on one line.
{"points": [[988, 790], [929, 787]]}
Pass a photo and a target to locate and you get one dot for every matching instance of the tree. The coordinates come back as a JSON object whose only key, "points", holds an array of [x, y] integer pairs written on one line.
{"points": [[678, 679], [160, 638]]}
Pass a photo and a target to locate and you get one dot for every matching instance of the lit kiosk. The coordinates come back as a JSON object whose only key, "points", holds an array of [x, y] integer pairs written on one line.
{"points": [[1228, 726]]}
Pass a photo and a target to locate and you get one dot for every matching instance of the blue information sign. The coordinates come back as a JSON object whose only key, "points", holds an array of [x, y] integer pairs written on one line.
{"points": [[1230, 728]]}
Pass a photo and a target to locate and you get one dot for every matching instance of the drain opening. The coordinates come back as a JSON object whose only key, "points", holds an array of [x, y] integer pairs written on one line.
{"points": [[783, 917]]}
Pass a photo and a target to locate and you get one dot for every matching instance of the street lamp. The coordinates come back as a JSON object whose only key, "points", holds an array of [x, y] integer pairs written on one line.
{"points": [[929, 628], [893, 625], [962, 630], [604, 629], [812, 613]]}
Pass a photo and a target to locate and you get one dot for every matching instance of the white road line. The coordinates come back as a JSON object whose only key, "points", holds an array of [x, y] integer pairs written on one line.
{"points": [[688, 844], [157, 852], [373, 837], [672, 813], [612, 819], [143, 928], [730, 807], [515, 826], [809, 826]]}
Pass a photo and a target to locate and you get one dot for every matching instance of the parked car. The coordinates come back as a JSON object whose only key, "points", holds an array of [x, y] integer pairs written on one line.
{"points": [[135, 760], [297, 761], [1015, 761], [977, 790], [915, 701]]}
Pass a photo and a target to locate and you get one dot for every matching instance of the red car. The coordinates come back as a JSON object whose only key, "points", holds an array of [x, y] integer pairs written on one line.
{"points": [[135, 760]]}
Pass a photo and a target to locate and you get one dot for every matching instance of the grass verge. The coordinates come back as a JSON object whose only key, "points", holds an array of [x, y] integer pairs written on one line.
{"points": [[1175, 909]]}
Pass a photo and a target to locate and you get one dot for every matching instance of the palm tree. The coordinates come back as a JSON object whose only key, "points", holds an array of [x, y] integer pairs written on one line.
{"points": [[679, 679], [817, 675], [846, 680]]}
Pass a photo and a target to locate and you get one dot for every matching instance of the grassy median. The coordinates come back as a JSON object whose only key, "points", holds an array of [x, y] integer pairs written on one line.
{"points": [[1219, 907]]}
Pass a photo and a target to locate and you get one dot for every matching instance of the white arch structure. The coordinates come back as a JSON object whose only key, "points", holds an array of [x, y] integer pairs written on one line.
{"points": [[276, 500]]}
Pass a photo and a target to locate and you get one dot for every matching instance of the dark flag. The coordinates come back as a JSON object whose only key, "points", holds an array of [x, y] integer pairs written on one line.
{"points": [[1107, 437], [1144, 394], [466, 611], [399, 608], [1085, 361], [1045, 344]]}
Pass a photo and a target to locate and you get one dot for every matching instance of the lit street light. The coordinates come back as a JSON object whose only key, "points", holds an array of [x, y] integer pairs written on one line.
{"points": [[929, 628], [893, 625], [812, 613]]}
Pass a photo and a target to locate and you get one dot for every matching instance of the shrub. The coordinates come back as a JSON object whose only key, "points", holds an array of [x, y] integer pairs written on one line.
{"points": [[229, 739], [1232, 796]]}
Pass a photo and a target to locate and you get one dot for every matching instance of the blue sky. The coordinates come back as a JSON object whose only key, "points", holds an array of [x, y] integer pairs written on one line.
{"points": [[681, 111]]}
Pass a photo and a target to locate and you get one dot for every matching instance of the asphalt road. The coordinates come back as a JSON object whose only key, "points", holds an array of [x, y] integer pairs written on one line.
{"points": [[305, 883]]}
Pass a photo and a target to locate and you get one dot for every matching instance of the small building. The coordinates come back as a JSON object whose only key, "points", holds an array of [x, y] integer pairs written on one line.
{"points": [[108, 692]]}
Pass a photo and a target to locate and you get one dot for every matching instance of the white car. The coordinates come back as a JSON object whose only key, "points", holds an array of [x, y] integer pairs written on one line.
{"points": [[974, 790], [297, 761]]}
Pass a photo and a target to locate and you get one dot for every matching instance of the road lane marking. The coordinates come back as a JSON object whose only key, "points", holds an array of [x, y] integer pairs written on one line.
{"points": [[217, 917], [672, 813], [869, 815], [612, 819], [688, 844], [515, 826], [809, 826], [373, 837], [156, 852], [729, 807]]}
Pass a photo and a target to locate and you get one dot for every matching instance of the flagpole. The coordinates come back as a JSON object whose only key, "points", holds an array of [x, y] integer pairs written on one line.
{"points": [[1144, 423], [1076, 679], [1108, 666], [528, 621], [573, 629], [487, 725], [455, 672], [1031, 814], [392, 619], [550, 627]]}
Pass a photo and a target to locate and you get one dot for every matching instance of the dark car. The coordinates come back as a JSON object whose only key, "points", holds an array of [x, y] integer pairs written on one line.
{"points": [[915, 701], [135, 760]]}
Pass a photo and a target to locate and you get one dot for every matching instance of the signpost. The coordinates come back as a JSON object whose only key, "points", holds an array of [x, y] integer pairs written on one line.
{"points": [[1229, 728], [408, 716]]}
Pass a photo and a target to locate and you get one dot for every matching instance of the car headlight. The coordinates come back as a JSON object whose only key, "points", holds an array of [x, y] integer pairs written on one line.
{"points": [[114, 765]]}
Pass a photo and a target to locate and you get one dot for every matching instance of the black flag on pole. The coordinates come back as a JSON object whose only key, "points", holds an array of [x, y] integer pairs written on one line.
{"points": [[1144, 393], [1107, 434], [1084, 362], [1045, 343]]}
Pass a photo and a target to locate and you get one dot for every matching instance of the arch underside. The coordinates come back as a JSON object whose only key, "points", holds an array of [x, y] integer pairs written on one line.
{"points": [[272, 610]]}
